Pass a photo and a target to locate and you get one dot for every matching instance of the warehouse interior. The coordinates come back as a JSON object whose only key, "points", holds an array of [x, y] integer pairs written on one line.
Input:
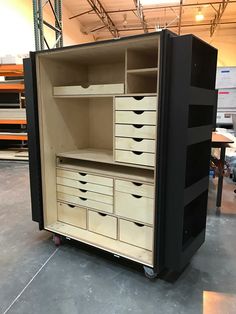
{"points": [[47, 123]]}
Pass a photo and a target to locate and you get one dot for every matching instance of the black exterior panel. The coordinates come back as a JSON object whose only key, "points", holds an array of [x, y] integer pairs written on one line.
{"points": [[189, 146], [33, 140]]}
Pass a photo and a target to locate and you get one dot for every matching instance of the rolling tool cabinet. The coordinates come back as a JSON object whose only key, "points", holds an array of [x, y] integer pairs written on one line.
{"points": [[119, 143]]}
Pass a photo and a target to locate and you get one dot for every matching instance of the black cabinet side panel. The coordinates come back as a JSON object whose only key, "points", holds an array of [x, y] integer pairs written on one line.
{"points": [[33, 141], [161, 159], [191, 104]]}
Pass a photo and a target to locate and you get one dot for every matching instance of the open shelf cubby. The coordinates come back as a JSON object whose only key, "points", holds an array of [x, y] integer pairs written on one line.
{"points": [[142, 69], [142, 57]]}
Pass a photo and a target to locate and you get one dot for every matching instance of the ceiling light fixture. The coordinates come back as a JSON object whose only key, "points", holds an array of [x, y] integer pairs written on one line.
{"points": [[199, 16]]}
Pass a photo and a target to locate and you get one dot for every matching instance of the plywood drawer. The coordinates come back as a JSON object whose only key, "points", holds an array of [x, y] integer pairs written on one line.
{"points": [[89, 90], [72, 215], [136, 234], [138, 144], [102, 224], [135, 131], [133, 157], [137, 117], [85, 177], [67, 190], [67, 174], [95, 187], [67, 182], [83, 201], [131, 103], [108, 199], [67, 198], [135, 207], [134, 188]]}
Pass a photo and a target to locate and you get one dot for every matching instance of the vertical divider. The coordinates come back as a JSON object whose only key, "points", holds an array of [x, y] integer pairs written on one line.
{"points": [[114, 126], [126, 75]]}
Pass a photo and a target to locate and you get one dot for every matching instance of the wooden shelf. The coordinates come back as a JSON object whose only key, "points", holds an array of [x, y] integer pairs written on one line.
{"points": [[98, 155], [102, 242], [91, 90], [144, 72], [119, 171], [107, 96], [11, 70]]}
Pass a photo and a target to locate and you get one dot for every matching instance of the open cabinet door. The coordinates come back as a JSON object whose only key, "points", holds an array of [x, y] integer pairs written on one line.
{"points": [[33, 141], [191, 107]]}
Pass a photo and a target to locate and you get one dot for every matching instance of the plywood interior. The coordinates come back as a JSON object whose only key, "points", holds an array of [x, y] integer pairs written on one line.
{"points": [[140, 58], [71, 124]]}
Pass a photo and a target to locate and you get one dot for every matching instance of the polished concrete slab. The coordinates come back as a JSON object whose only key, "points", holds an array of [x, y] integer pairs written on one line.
{"points": [[35, 277]]}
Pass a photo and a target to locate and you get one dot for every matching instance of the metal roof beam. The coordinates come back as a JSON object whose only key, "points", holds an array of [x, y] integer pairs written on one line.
{"points": [[80, 14], [216, 21], [196, 4], [140, 15], [104, 17], [176, 26]]}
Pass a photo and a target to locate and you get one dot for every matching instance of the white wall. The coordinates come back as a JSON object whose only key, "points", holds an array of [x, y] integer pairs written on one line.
{"points": [[17, 31]]}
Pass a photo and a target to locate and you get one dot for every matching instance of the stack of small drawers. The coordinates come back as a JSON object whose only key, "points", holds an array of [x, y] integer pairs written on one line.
{"points": [[86, 201], [135, 130]]}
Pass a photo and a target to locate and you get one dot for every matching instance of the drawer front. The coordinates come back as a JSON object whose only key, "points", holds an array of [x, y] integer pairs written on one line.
{"points": [[135, 131], [72, 215], [132, 187], [137, 144], [91, 89], [67, 198], [67, 182], [131, 103], [67, 190], [67, 174], [135, 207], [84, 177], [137, 117], [95, 187], [132, 157], [83, 201], [102, 224], [136, 234], [108, 199]]}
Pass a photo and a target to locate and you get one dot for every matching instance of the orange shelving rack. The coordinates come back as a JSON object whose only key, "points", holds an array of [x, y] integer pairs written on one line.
{"points": [[12, 116]]}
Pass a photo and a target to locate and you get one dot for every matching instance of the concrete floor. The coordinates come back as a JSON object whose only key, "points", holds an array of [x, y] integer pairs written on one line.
{"points": [[35, 277]]}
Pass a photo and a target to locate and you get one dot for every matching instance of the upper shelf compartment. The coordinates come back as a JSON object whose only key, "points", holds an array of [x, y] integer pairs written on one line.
{"points": [[142, 69], [142, 58]]}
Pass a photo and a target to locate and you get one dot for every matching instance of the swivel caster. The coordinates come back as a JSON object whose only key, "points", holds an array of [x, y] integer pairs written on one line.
{"points": [[57, 239], [149, 272]]}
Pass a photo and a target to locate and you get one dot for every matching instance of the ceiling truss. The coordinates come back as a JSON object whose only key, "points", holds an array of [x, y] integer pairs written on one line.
{"points": [[216, 21], [98, 8], [105, 16], [140, 15]]}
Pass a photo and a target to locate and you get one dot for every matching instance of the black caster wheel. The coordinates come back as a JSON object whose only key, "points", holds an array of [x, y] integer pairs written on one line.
{"points": [[57, 239], [149, 272]]}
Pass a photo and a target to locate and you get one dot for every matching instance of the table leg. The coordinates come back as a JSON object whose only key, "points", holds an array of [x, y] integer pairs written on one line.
{"points": [[220, 181]]}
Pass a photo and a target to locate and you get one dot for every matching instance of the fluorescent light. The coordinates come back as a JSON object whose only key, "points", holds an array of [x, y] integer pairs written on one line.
{"points": [[157, 2], [199, 16]]}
